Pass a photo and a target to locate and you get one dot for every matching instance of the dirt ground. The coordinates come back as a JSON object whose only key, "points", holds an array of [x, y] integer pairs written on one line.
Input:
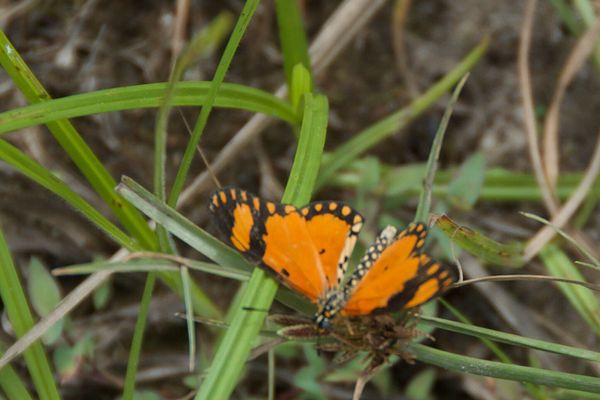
{"points": [[81, 46]]}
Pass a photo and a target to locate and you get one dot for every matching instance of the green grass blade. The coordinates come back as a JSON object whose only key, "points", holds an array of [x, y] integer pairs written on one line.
{"points": [[137, 265], [582, 299], [232, 45], [181, 227], [189, 317], [153, 264], [19, 314], [245, 326], [138, 336], [292, 37], [201, 44], [145, 96], [390, 125], [509, 338], [471, 365], [11, 384], [70, 140], [30, 168], [424, 205]]}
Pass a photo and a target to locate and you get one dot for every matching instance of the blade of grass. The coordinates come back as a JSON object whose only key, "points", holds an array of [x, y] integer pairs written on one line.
{"points": [[70, 140], [138, 335], [234, 40], [39, 174], [201, 43], [294, 45], [149, 95], [189, 314], [424, 204], [12, 385], [509, 338], [146, 262], [475, 366], [30, 168], [390, 125], [582, 299], [245, 326], [19, 314]]}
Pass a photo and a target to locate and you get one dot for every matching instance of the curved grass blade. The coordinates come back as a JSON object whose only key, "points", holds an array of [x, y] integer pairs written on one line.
{"points": [[475, 366], [237, 343], [30, 168], [74, 145], [509, 338], [424, 205], [145, 96], [390, 125], [234, 40], [19, 314], [582, 299]]}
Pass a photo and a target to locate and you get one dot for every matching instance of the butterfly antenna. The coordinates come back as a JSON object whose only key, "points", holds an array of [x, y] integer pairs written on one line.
{"points": [[202, 155], [255, 309]]}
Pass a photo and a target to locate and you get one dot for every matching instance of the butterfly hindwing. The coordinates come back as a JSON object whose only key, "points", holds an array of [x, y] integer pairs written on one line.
{"points": [[396, 276], [300, 247]]}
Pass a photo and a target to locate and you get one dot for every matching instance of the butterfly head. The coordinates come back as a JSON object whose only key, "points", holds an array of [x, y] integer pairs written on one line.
{"points": [[329, 309]]}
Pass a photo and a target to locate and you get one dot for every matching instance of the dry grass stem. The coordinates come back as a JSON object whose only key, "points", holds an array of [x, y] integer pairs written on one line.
{"points": [[182, 13], [550, 200], [580, 53], [568, 209]]}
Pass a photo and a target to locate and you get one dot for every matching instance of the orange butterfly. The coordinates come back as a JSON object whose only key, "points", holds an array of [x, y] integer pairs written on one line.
{"points": [[307, 249]]}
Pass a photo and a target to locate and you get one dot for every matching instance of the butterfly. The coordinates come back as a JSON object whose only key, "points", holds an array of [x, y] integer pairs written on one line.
{"points": [[307, 249]]}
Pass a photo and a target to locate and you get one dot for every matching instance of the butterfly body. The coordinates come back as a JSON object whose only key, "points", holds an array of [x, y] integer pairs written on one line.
{"points": [[308, 248]]}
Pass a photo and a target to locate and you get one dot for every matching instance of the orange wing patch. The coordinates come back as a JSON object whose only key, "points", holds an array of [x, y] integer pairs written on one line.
{"points": [[302, 248], [398, 278]]}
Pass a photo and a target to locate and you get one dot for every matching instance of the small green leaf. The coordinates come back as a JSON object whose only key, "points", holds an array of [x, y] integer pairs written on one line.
{"points": [[43, 289], [419, 388], [102, 295], [44, 293], [68, 359], [464, 189]]}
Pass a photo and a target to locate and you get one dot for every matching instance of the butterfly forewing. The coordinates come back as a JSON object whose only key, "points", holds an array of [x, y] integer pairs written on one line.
{"points": [[334, 228], [300, 247], [397, 277]]}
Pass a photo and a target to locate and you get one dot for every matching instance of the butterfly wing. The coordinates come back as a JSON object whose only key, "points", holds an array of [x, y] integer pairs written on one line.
{"points": [[334, 229], [294, 245], [394, 275]]}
